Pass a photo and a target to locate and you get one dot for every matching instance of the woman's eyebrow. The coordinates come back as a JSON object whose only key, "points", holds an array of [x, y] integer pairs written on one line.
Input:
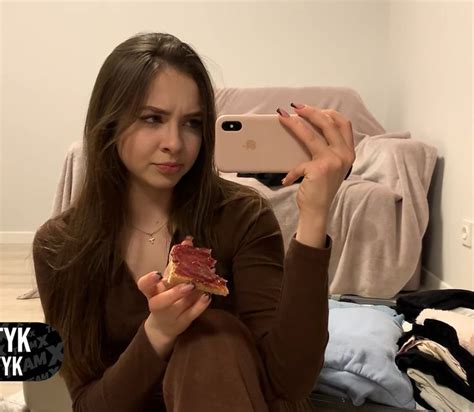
{"points": [[167, 113]]}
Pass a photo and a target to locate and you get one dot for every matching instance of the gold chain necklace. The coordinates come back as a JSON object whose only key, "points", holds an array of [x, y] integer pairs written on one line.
{"points": [[151, 235]]}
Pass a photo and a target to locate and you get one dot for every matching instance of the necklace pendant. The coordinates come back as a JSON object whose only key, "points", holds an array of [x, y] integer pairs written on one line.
{"points": [[152, 240]]}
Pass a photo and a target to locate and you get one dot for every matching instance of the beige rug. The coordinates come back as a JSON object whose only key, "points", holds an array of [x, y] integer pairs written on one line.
{"points": [[13, 403]]}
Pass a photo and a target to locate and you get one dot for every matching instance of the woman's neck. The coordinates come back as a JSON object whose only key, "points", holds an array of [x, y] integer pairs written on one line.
{"points": [[147, 207]]}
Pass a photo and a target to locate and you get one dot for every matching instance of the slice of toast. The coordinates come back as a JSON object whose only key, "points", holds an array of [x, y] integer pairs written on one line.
{"points": [[174, 278]]}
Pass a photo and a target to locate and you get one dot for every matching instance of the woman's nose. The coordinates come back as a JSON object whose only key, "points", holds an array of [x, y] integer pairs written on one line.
{"points": [[171, 140]]}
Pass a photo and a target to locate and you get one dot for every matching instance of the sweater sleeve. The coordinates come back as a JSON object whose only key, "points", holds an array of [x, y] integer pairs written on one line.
{"points": [[283, 300], [130, 383]]}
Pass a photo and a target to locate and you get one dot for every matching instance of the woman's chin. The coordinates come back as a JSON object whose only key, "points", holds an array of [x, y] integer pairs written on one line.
{"points": [[158, 181], [164, 182]]}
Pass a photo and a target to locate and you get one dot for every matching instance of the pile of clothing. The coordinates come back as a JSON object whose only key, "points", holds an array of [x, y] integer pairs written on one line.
{"points": [[437, 353], [359, 362]]}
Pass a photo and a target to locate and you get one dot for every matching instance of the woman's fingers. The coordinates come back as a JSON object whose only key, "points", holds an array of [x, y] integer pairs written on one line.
{"points": [[188, 241], [176, 300], [303, 133], [179, 300], [295, 173], [326, 124], [344, 124], [196, 309], [148, 284], [183, 304], [170, 296]]}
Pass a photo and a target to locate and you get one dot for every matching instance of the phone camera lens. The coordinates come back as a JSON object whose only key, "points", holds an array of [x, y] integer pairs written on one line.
{"points": [[231, 126]]}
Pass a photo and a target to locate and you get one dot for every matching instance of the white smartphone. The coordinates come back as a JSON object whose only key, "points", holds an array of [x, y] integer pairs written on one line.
{"points": [[256, 143]]}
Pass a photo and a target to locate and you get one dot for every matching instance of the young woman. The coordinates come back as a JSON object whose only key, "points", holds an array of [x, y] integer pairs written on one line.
{"points": [[131, 343]]}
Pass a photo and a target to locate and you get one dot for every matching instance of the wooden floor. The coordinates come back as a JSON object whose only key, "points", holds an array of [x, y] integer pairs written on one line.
{"points": [[16, 278]]}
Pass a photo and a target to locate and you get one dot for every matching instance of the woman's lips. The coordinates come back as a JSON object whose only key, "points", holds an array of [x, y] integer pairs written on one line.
{"points": [[169, 168]]}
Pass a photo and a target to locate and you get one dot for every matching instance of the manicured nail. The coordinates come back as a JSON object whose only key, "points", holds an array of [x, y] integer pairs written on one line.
{"points": [[206, 296], [283, 181], [282, 112], [159, 276], [297, 105], [187, 287]]}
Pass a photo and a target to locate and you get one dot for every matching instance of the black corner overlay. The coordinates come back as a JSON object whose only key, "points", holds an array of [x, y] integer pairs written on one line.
{"points": [[29, 351]]}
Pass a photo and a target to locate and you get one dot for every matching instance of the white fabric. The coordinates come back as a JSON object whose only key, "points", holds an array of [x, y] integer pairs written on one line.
{"points": [[407, 326], [464, 325], [464, 311]]}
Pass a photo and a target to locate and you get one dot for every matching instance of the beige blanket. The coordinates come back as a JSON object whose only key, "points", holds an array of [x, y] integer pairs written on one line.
{"points": [[70, 181], [377, 219], [380, 216]]}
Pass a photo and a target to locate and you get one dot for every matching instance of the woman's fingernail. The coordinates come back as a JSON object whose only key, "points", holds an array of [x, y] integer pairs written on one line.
{"points": [[158, 275], [283, 181], [187, 287], [282, 112], [206, 296], [297, 105], [189, 237]]}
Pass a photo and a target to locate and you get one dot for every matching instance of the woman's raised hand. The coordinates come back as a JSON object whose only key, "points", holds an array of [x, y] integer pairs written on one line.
{"points": [[172, 309], [328, 137]]}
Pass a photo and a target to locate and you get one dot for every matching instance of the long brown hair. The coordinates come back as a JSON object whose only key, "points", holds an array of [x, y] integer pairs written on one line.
{"points": [[83, 243]]}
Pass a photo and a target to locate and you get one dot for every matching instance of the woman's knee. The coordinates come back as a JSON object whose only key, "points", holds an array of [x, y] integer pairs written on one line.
{"points": [[217, 325]]}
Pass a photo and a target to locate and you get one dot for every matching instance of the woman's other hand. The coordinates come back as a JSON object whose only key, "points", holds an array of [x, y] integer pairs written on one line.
{"points": [[172, 309]]}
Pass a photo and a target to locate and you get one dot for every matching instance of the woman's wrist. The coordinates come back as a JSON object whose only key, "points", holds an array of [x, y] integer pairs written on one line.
{"points": [[312, 230], [162, 345]]}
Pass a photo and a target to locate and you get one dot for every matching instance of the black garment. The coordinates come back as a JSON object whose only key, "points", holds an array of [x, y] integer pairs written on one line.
{"points": [[412, 304], [441, 372], [274, 179], [268, 179], [445, 335]]}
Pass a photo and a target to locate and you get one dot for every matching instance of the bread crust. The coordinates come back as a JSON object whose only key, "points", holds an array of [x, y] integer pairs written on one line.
{"points": [[175, 278]]}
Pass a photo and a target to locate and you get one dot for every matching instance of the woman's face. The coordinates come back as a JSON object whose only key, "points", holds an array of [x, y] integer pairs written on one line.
{"points": [[161, 146]]}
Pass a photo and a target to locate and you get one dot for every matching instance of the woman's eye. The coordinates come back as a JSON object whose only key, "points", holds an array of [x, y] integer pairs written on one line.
{"points": [[151, 119], [194, 123]]}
